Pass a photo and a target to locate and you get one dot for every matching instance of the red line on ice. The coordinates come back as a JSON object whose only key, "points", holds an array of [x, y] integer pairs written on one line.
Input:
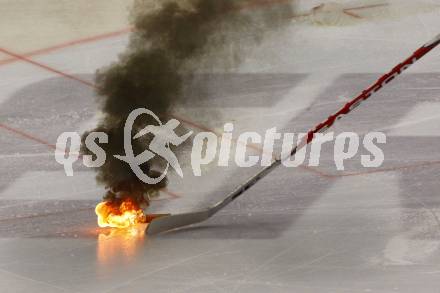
{"points": [[68, 44]]}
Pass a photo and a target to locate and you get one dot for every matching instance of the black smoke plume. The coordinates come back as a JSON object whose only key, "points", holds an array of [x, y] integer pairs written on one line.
{"points": [[171, 43]]}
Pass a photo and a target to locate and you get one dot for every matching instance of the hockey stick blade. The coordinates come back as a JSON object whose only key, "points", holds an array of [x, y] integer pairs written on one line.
{"points": [[172, 222]]}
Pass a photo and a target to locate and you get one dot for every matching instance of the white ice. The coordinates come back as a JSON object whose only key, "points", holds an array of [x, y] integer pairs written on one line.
{"points": [[298, 230]]}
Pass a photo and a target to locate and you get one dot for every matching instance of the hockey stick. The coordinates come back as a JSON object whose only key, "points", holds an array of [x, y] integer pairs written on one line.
{"points": [[171, 222]]}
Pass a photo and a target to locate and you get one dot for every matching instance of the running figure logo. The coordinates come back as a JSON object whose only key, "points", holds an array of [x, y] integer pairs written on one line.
{"points": [[164, 135]]}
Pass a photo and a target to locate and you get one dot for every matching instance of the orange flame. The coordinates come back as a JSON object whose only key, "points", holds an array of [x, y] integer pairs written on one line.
{"points": [[120, 215]]}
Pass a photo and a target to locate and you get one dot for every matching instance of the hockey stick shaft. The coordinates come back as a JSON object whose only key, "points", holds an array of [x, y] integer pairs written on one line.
{"points": [[171, 222], [324, 126]]}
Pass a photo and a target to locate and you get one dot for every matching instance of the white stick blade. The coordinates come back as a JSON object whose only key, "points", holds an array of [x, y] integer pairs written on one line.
{"points": [[172, 222]]}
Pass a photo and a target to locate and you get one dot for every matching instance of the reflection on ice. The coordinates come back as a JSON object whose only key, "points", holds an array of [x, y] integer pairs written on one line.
{"points": [[120, 245]]}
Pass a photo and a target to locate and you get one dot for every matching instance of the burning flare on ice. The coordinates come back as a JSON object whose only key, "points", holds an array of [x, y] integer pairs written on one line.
{"points": [[122, 215]]}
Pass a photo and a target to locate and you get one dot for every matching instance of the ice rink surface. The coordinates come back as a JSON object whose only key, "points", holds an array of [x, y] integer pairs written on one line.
{"points": [[299, 230]]}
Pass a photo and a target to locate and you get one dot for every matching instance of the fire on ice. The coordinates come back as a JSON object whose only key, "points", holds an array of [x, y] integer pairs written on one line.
{"points": [[119, 215]]}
